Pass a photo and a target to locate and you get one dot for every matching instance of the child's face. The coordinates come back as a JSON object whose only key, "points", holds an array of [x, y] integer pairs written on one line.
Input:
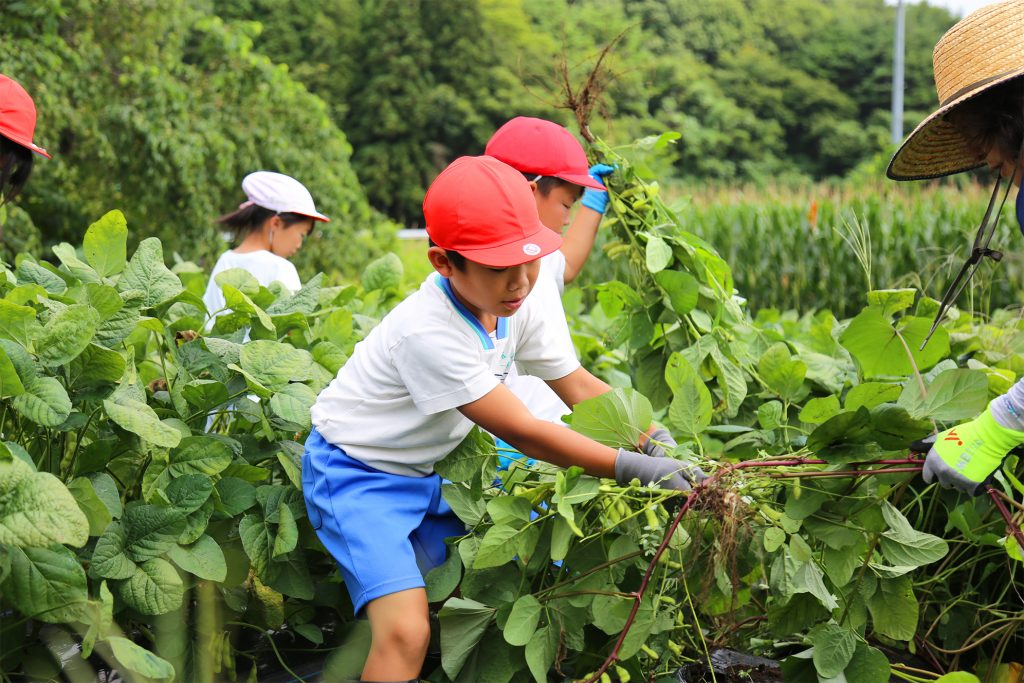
{"points": [[555, 206], [488, 291], [288, 239]]}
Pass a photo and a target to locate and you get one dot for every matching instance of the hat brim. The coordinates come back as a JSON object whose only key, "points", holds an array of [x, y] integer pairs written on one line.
{"points": [[27, 144], [935, 148], [585, 180], [542, 242], [314, 215]]}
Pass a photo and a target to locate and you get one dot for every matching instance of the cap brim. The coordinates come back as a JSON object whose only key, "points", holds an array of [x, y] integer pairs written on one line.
{"points": [[585, 180], [27, 144], [542, 242], [935, 148], [314, 215]]}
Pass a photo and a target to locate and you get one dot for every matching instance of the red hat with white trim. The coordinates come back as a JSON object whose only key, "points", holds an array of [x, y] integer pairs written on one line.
{"points": [[18, 115], [543, 148], [485, 210], [281, 193]]}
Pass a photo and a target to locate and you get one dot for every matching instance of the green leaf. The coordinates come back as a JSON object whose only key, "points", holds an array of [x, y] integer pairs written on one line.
{"points": [[239, 278], [443, 579], [147, 273], [472, 453], [659, 254], [839, 431], [871, 394], [383, 273], [66, 334], [150, 530], [616, 418], [310, 632], [200, 455], [36, 509], [833, 648], [781, 373], [240, 303], [138, 418], [868, 665], [463, 623], [96, 512], [809, 579], [892, 301], [289, 574], [205, 394], [47, 584], [287, 532], [257, 542], [894, 609], [109, 559], [45, 401], [155, 588], [204, 559], [522, 620], [96, 365], [292, 403], [236, 495], [541, 651], [140, 660], [819, 409], [954, 395], [273, 364], [875, 344], [105, 243], [509, 509], [904, 545], [188, 492], [691, 407], [958, 677], [18, 323], [31, 272], [497, 547], [774, 538], [10, 383], [77, 267]]}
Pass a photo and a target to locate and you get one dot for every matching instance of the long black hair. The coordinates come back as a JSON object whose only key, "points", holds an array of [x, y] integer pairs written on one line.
{"points": [[249, 218], [15, 168]]}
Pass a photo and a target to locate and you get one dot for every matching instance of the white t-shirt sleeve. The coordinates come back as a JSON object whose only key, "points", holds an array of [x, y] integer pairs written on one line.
{"points": [[437, 372], [545, 349], [554, 265]]}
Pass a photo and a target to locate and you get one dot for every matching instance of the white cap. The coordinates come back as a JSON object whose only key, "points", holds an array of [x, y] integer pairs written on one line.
{"points": [[280, 193]]}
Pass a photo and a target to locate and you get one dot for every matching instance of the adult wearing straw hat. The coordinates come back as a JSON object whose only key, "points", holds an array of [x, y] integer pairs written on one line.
{"points": [[979, 64], [17, 128]]}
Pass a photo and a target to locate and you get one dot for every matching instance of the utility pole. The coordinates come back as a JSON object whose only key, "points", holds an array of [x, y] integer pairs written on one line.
{"points": [[897, 73]]}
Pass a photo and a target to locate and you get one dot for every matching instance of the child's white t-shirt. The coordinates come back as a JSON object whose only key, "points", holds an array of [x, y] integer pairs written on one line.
{"points": [[265, 266], [394, 404], [533, 391]]}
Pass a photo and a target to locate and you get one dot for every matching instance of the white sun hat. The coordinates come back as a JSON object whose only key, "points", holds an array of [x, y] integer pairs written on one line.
{"points": [[281, 193]]}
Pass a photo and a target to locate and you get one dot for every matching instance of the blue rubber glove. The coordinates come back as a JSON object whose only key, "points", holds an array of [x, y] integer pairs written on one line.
{"points": [[597, 200]]}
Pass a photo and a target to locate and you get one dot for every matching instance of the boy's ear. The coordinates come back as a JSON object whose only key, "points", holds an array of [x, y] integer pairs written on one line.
{"points": [[439, 259]]}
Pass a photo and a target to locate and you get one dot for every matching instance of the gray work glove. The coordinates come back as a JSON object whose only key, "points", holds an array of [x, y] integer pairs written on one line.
{"points": [[657, 442], [667, 473]]}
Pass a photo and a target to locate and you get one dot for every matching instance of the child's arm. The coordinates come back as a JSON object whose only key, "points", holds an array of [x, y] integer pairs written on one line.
{"points": [[578, 240]]}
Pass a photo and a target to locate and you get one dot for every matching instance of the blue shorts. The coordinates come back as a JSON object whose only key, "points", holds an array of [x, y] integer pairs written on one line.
{"points": [[384, 530]]}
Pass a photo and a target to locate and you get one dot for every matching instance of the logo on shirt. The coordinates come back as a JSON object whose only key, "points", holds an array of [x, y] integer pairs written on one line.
{"points": [[531, 249]]}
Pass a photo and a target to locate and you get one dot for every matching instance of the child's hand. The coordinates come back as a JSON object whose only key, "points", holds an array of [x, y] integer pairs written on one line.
{"points": [[597, 200], [667, 473]]}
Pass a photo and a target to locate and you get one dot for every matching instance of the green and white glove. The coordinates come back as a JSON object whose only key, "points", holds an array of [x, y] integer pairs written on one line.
{"points": [[965, 456]]}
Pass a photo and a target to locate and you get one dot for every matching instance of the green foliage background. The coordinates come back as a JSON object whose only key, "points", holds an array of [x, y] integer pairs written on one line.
{"points": [[168, 104]]}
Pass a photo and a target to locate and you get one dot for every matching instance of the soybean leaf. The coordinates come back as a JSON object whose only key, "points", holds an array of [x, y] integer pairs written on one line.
{"points": [[150, 530], [691, 407], [188, 492], [616, 418], [871, 394], [292, 403], [682, 289], [809, 579], [541, 651], [47, 584], [819, 409], [36, 509], [147, 273], [204, 559], [44, 401], [463, 623], [867, 665], [96, 365], [904, 545], [443, 579], [95, 511], [891, 301], [954, 395], [140, 660], [236, 495], [18, 323], [10, 383], [76, 266], [200, 455], [105, 243], [659, 254], [273, 364], [468, 458], [155, 588], [522, 620], [875, 344], [31, 272], [834, 646], [781, 373], [109, 559], [137, 417], [497, 547], [894, 609]]}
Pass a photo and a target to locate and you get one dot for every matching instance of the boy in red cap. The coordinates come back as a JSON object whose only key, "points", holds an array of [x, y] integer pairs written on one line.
{"points": [[415, 386]]}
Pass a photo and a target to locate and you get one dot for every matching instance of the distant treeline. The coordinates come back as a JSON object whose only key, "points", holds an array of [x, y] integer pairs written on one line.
{"points": [[159, 107]]}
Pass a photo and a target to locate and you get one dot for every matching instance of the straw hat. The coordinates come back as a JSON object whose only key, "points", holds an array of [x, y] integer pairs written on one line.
{"points": [[983, 50]]}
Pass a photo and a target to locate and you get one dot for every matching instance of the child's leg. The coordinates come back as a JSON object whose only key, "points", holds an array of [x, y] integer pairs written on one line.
{"points": [[400, 632]]}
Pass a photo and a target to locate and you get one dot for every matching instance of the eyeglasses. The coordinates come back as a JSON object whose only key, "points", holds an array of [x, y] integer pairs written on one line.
{"points": [[979, 252]]}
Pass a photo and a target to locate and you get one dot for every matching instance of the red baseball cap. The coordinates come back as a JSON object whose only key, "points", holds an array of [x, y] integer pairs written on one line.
{"points": [[485, 210], [18, 115], [541, 147]]}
